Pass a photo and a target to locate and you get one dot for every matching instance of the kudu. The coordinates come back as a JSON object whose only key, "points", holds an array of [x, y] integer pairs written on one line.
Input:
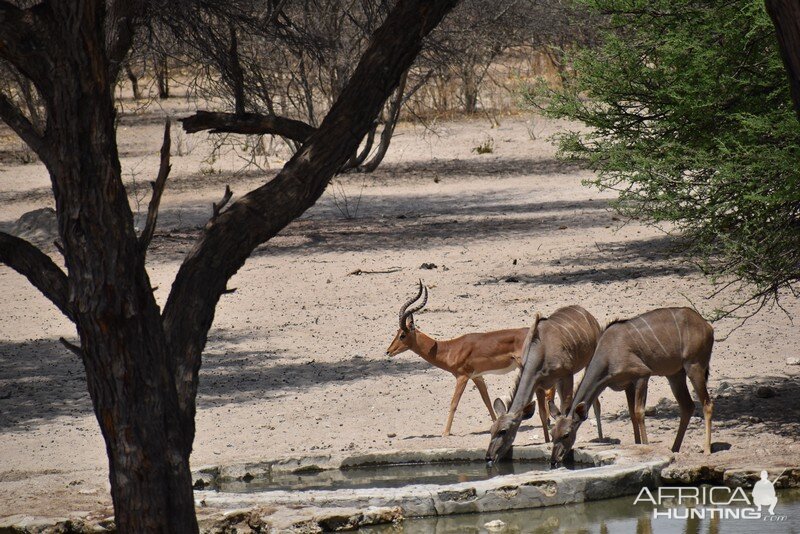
{"points": [[468, 357], [671, 342], [555, 349]]}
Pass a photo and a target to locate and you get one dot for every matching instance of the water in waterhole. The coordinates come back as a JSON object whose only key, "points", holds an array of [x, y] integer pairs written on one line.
{"points": [[614, 516], [383, 476]]}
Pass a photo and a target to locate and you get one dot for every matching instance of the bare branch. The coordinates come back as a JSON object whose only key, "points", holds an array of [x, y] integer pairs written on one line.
{"points": [[38, 268], [158, 189], [14, 118], [72, 347], [216, 207], [247, 123]]}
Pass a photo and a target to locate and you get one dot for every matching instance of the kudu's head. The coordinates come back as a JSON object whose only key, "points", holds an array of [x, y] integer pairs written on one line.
{"points": [[505, 428], [564, 431], [405, 339]]}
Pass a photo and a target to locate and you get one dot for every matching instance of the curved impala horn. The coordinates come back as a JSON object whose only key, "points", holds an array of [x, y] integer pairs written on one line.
{"points": [[405, 306], [412, 311]]}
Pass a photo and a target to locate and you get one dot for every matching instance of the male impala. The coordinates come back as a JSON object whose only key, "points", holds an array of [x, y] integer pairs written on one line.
{"points": [[555, 349], [468, 357], [671, 342]]}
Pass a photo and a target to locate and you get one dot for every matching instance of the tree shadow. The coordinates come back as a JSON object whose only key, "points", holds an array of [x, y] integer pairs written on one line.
{"points": [[41, 380], [383, 224], [739, 405]]}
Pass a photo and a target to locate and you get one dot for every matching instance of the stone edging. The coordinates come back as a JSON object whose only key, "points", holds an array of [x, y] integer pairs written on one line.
{"points": [[615, 474]]}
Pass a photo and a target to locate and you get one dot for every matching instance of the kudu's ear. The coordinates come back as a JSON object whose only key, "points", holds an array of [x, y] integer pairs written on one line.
{"points": [[580, 411], [553, 409], [528, 410], [499, 407]]}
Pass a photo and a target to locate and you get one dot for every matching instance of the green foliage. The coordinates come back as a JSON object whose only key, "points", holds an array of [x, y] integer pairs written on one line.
{"points": [[691, 120]]}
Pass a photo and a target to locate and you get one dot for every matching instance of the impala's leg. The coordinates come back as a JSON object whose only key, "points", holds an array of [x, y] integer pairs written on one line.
{"points": [[481, 385], [597, 416], [541, 398], [678, 384], [461, 384], [641, 401], [699, 376], [630, 393]]}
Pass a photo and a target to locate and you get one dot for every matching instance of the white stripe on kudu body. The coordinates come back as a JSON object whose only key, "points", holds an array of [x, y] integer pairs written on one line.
{"points": [[676, 343]]}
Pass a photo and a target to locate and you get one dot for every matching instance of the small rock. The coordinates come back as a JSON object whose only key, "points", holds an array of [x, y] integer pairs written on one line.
{"points": [[723, 386], [391, 435], [495, 525], [792, 361], [428, 266], [765, 392]]}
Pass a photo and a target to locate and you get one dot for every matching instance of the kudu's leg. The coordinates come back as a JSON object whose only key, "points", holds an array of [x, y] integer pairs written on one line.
{"points": [[461, 384], [641, 402], [597, 417], [699, 375], [630, 394], [541, 399], [564, 388], [481, 385], [678, 384]]}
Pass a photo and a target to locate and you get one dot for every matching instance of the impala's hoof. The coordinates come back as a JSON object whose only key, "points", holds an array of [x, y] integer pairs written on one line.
{"points": [[445, 434]]}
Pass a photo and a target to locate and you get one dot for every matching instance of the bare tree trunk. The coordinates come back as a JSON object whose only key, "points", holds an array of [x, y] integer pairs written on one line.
{"points": [[785, 16], [162, 75], [470, 88], [388, 128], [134, 81]]}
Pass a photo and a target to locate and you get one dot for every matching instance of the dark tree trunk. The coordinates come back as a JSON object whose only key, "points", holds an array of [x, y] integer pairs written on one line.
{"points": [[162, 75], [124, 348], [134, 81], [785, 16]]}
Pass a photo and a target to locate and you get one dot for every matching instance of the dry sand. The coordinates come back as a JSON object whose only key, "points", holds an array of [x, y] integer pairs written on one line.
{"points": [[295, 360]]}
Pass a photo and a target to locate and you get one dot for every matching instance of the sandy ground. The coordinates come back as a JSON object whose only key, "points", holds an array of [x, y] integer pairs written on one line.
{"points": [[295, 361]]}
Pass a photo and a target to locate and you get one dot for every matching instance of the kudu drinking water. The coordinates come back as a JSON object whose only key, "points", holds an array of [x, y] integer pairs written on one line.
{"points": [[556, 348], [671, 342], [468, 357]]}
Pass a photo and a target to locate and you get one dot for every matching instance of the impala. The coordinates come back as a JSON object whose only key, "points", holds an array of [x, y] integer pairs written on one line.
{"points": [[555, 349], [468, 357], [671, 342]]}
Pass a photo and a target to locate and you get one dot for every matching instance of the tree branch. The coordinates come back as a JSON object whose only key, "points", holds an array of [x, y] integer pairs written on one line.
{"points": [[20, 42], [13, 117], [247, 123], [38, 268], [216, 207], [158, 189], [229, 240], [72, 347]]}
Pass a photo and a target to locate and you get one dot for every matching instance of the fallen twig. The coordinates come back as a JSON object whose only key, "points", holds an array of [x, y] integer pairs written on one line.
{"points": [[359, 272]]}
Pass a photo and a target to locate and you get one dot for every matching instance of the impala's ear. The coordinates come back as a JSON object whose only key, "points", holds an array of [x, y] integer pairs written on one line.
{"points": [[528, 410], [410, 322], [554, 411], [580, 411], [499, 407]]}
